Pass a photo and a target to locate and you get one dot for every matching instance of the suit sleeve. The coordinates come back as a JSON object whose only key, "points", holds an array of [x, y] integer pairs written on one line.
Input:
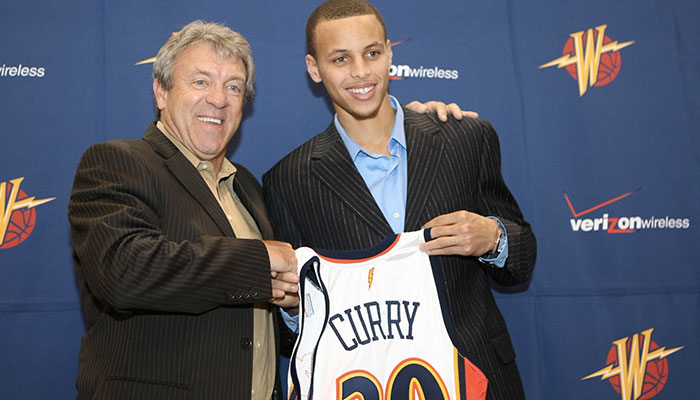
{"points": [[119, 210], [496, 200]]}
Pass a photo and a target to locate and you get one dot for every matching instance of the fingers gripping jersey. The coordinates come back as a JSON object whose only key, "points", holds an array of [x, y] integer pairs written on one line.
{"points": [[375, 326]]}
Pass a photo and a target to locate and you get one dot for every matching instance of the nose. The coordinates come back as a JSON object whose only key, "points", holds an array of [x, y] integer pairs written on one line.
{"points": [[217, 96], [360, 69]]}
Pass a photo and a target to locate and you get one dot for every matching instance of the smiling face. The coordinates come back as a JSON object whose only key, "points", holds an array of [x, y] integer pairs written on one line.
{"points": [[204, 106], [352, 60]]}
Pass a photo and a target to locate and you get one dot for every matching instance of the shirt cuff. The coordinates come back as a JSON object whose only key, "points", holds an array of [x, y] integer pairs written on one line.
{"points": [[292, 322], [498, 258]]}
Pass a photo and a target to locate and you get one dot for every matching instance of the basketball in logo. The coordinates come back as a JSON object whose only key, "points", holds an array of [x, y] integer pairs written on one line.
{"points": [[655, 375], [20, 225], [609, 66]]}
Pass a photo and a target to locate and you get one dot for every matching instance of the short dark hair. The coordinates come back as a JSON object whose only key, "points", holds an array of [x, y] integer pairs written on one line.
{"points": [[338, 9]]}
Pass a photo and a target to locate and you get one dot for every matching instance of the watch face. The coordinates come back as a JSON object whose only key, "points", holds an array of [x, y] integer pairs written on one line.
{"points": [[501, 239]]}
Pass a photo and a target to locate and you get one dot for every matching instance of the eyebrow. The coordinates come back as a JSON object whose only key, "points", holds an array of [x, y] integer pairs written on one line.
{"points": [[373, 44], [237, 77]]}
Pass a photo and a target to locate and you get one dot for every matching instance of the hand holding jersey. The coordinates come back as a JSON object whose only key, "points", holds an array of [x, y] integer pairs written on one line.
{"points": [[283, 273], [462, 233]]}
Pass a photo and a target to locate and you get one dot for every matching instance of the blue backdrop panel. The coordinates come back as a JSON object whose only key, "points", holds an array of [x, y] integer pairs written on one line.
{"points": [[39, 353], [585, 168]]}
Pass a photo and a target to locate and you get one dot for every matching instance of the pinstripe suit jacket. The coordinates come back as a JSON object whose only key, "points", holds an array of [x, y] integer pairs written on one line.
{"points": [[166, 288], [317, 198]]}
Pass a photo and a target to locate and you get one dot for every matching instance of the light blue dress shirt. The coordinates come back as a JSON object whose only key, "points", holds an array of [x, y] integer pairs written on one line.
{"points": [[385, 177]]}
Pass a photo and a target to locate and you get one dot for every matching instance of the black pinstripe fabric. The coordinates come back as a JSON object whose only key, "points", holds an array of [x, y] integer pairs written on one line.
{"points": [[166, 288], [316, 197]]}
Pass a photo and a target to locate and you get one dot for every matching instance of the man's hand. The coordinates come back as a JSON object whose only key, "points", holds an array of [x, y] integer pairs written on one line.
{"points": [[461, 233], [283, 271], [441, 109]]}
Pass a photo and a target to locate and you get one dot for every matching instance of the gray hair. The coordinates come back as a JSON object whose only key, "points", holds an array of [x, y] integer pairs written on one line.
{"points": [[223, 41]]}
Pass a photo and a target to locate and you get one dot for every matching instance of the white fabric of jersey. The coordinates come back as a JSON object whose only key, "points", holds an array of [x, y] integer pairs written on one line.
{"points": [[372, 326]]}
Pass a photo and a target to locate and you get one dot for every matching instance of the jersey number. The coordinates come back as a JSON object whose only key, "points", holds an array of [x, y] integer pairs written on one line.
{"points": [[412, 379]]}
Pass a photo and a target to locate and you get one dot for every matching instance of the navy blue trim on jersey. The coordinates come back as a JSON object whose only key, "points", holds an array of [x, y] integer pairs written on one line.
{"points": [[359, 254], [446, 315], [426, 234], [313, 275]]}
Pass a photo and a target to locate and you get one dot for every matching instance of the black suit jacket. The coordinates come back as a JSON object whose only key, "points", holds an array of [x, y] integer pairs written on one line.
{"points": [[317, 198], [166, 288]]}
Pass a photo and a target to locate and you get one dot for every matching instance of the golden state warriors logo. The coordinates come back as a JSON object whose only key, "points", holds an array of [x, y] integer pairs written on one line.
{"points": [[590, 57], [17, 213], [637, 367]]}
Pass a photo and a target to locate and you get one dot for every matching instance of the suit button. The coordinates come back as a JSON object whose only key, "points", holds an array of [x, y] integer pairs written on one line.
{"points": [[237, 295], [246, 343]]}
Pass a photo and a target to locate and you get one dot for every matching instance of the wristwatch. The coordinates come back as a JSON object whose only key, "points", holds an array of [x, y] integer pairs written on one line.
{"points": [[500, 244]]}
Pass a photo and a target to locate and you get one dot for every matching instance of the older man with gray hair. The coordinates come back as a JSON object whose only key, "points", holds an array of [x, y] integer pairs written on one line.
{"points": [[172, 245]]}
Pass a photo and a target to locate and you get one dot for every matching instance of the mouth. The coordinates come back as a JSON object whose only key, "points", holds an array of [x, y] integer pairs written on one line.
{"points": [[211, 120], [361, 90]]}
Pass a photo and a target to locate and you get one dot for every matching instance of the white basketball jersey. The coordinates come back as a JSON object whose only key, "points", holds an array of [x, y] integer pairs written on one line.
{"points": [[374, 324]]}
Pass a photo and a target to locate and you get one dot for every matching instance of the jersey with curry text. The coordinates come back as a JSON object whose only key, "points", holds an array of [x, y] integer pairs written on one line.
{"points": [[374, 325]]}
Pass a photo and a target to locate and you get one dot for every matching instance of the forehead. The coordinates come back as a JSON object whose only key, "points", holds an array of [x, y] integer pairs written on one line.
{"points": [[201, 56], [348, 33]]}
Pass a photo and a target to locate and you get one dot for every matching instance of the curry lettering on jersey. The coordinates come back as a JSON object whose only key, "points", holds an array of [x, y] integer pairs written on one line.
{"points": [[389, 318]]}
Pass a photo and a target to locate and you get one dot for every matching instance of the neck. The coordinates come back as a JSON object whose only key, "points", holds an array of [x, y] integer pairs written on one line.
{"points": [[373, 132], [218, 162]]}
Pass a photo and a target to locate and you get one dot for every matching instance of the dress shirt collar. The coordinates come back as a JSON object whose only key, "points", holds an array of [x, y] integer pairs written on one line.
{"points": [[398, 134]]}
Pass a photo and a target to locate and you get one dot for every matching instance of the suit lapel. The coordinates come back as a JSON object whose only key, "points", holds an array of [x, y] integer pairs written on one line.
{"points": [[425, 149], [189, 177], [331, 164]]}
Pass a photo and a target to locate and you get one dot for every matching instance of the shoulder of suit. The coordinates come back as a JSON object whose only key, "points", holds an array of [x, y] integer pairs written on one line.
{"points": [[151, 139], [128, 152], [297, 159], [123, 147], [430, 123]]}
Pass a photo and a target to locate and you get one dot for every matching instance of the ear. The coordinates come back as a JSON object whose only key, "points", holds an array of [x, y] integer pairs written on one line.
{"points": [[312, 68], [160, 94]]}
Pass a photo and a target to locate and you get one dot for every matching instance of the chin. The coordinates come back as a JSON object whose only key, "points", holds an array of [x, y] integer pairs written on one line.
{"points": [[365, 110], [365, 113]]}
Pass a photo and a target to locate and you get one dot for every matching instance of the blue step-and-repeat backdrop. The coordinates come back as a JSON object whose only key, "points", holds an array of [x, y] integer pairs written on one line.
{"points": [[597, 105]]}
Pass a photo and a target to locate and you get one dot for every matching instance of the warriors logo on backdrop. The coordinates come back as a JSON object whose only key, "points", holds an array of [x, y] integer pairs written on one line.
{"points": [[590, 57], [17, 213], [637, 367]]}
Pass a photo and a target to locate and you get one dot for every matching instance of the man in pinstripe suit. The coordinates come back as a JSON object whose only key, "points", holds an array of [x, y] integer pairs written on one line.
{"points": [[171, 241], [380, 169]]}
